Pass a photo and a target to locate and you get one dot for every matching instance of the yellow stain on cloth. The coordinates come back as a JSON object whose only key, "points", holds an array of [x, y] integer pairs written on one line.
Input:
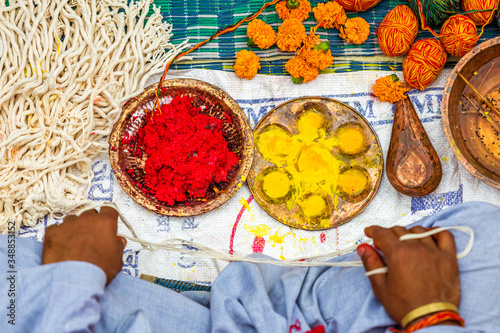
{"points": [[259, 230], [244, 203]]}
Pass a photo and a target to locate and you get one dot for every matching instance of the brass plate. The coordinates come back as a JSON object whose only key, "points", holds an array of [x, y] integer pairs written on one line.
{"points": [[473, 139], [338, 114], [133, 117]]}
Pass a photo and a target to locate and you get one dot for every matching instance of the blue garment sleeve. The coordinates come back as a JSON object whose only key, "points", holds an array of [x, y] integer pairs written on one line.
{"points": [[61, 297]]}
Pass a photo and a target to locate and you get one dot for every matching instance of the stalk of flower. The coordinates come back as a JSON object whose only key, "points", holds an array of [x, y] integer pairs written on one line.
{"points": [[330, 15], [355, 30], [260, 34], [291, 35], [298, 9], [390, 89], [247, 64]]}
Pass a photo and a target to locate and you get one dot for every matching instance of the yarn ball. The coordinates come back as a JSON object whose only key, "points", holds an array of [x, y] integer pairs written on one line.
{"points": [[424, 62], [459, 35], [435, 12], [480, 18], [357, 5], [397, 31]]}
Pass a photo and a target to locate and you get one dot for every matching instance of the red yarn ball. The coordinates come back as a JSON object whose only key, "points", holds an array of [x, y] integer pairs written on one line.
{"points": [[357, 5], [397, 31], [459, 35], [424, 62]]}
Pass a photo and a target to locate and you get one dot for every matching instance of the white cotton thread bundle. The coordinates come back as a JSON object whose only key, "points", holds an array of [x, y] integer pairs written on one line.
{"points": [[66, 68], [202, 251]]}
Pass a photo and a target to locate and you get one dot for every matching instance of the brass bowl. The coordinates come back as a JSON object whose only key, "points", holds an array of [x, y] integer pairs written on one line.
{"points": [[473, 138], [129, 170], [338, 115]]}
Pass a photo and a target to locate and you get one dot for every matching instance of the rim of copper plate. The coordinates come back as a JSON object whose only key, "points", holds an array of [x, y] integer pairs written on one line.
{"points": [[452, 82], [272, 210], [179, 209]]}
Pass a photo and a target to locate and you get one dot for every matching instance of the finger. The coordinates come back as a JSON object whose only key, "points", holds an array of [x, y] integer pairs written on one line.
{"points": [[426, 240], [383, 238], [399, 231], [112, 220], [446, 241], [70, 218], [88, 212], [122, 243], [372, 260]]}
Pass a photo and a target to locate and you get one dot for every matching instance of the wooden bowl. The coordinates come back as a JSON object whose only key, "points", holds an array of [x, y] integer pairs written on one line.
{"points": [[474, 140], [129, 170]]}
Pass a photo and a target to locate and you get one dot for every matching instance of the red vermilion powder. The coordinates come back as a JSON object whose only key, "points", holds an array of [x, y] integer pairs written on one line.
{"points": [[186, 151]]}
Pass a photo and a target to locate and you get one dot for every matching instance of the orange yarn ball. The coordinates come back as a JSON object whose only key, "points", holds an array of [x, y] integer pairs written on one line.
{"points": [[459, 35], [424, 62], [480, 18], [397, 31], [357, 5]]}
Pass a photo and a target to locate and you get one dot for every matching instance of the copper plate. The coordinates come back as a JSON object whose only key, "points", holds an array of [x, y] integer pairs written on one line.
{"points": [[238, 133], [338, 114], [473, 140]]}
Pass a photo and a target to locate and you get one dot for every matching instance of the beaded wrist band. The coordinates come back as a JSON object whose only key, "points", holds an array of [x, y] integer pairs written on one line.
{"points": [[435, 319], [427, 309]]}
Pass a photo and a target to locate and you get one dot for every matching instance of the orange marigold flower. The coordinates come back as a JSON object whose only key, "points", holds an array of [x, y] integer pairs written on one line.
{"points": [[330, 14], [300, 69], [291, 35], [261, 33], [301, 12], [355, 30], [247, 64], [390, 89], [317, 58]]}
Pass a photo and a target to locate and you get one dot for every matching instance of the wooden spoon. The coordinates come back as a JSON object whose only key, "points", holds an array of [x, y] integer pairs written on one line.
{"points": [[413, 166]]}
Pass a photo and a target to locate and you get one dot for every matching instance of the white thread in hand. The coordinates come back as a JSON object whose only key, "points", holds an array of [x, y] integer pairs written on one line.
{"points": [[176, 245]]}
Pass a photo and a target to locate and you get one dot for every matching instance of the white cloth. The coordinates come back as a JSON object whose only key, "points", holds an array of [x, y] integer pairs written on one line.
{"points": [[214, 229]]}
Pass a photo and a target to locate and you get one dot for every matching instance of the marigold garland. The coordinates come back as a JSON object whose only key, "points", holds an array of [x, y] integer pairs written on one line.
{"points": [[247, 64], [356, 30], [291, 35], [261, 34], [300, 69], [390, 89], [330, 15], [301, 13]]}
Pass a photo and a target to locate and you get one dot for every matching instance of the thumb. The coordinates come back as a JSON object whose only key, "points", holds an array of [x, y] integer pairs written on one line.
{"points": [[122, 243], [372, 260]]}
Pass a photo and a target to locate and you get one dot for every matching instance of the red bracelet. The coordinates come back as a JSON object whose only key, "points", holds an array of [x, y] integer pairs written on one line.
{"points": [[433, 320]]}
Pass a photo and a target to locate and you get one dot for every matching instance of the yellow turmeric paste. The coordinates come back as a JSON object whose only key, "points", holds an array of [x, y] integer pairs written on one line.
{"points": [[276, 184], [353, 182], [314, 205], [307, 157], [274, 144], [351, 140], [311, 124]]}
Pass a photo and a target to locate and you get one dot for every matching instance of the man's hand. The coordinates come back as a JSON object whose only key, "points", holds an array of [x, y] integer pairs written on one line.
{"points": [[90, 237], [420, 271]]}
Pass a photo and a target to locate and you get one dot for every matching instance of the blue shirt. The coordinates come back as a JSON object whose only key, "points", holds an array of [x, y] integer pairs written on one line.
{"points": [[72, 297]]}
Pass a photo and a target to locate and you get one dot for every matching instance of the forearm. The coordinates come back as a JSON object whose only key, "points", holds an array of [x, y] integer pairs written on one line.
{"points": [[62, 297]]}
